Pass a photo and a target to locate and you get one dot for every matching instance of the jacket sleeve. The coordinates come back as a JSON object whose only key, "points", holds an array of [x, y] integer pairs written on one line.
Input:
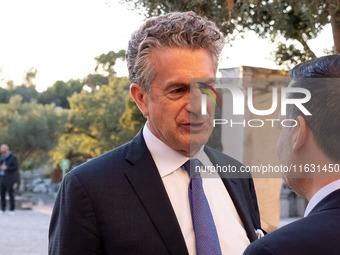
{"points": [[12, 164], [258, 248], [73, 227], [256, 214]]}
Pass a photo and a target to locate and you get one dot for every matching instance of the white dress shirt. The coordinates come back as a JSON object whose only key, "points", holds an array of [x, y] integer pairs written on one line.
{"points": [[321, 194], [231, 233]]}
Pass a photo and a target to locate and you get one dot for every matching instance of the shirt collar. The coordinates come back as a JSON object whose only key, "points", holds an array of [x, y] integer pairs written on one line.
{"points": [[166, 159], [321, 194]]}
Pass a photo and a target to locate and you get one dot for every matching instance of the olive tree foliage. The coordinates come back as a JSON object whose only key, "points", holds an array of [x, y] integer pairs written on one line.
{"points": [[5, 95], [100, 119], [30, 129], [94, 123], [106, 62], [30, 76], [59, 92], [84, 125], [132, 118], [289, 23]]}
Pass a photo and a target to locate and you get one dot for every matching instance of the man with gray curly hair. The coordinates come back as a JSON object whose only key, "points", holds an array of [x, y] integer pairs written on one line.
{"points": [[141, 198]]}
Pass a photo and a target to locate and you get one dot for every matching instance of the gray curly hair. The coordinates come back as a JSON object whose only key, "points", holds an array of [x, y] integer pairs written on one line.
{"points": [[173, 30]]}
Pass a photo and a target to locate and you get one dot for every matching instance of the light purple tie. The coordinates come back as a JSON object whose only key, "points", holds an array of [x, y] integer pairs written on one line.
{"points": [[204, 227]]}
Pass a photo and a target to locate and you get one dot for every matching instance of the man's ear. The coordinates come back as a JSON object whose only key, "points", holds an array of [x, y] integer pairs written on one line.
{"points": [[141, 98], [299, 134]]}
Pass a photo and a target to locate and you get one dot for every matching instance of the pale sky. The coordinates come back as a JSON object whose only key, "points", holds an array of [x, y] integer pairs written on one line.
{"points": [[61, 38]]}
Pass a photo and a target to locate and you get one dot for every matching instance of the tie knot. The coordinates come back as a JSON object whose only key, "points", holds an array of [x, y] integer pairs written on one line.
{"points": [[192, 166]]}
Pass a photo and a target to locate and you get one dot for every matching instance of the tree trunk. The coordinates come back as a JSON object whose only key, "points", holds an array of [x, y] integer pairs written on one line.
{"points": [[335, 22], [305, 46]]}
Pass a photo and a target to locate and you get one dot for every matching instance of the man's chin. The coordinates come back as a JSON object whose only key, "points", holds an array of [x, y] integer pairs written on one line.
{"points": [[190, 144], [197, 141]]}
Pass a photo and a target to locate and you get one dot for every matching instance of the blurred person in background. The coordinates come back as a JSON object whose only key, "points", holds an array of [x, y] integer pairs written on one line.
{"points": [[9, 176]]}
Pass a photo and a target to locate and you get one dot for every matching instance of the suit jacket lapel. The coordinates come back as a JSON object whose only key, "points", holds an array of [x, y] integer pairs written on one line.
{"points": [[236, 193], [147, 183]]}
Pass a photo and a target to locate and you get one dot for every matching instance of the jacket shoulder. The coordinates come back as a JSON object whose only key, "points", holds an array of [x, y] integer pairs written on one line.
{"points": [[299, 237], [114, 162], [114, 159]]}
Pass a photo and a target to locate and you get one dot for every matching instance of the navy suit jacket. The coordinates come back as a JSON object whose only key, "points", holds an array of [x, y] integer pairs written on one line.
{"points": [[11, 174], [316, 234], [117, 204]]}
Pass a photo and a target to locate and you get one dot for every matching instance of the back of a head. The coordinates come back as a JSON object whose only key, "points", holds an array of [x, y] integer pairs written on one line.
{"points": [[173, 30], [321, 77], [323, 67]]}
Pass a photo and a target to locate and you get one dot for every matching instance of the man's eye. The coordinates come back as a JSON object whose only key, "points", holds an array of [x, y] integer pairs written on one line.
{"points": [[178, 90], [177, 93]]}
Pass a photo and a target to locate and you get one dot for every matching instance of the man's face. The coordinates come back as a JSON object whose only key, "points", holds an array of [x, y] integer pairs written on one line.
{"points": [[284, 149], [3, 151], [171, 117]]}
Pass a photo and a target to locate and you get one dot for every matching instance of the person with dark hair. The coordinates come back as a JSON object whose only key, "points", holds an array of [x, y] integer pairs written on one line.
{"points": [[312, 147], [139, 198], [9, 176]]}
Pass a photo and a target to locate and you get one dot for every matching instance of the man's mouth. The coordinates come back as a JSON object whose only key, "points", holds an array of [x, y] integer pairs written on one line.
{"points": [[196, 124], [193, 126]]}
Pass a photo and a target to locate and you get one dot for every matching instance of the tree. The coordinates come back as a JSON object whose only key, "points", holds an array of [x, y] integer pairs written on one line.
{"points": [[295, 21], [30, 129], [30, 76], [107, 61], [59, 92], [5, 95], [26, 92], [10, 84], [94, 123], [132, 119], [102, 119], [94, 81]]}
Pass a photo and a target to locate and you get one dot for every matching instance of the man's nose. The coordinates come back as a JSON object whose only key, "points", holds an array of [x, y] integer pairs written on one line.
{"points": [[194, 101]]}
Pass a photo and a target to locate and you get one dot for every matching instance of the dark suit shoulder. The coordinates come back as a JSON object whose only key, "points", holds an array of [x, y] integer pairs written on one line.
{"points": [[12, 164], [11, 158], [110, 204], [108, 169], [109, 160], [312, 235]]}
